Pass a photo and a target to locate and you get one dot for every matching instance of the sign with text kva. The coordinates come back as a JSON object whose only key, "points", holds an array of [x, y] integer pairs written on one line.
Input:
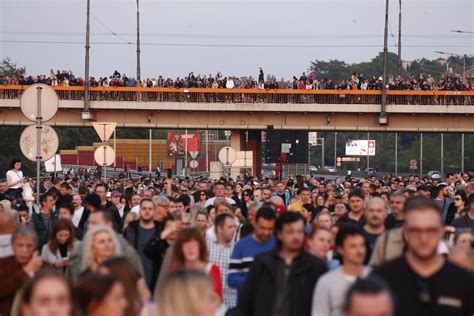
{"points": [[360, 147]]}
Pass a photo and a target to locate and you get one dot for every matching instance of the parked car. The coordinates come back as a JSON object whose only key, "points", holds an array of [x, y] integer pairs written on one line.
{"points": [[370, 171], [434, 174], [329, 169]]}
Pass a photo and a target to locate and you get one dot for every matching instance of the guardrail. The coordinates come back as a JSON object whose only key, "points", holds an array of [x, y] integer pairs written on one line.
{"points": [[206, 95]]}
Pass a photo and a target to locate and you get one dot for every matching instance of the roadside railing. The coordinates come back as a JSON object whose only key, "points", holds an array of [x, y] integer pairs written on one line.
{"points": [[206, 95]]}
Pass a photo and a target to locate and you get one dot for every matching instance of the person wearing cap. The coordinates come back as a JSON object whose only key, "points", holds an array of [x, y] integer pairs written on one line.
{"points": [[423, 190], [442, 199], [115, 199]]}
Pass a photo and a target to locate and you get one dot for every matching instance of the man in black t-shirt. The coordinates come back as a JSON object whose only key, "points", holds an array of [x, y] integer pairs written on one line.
{"points": [[374, 227], [423, 282]]}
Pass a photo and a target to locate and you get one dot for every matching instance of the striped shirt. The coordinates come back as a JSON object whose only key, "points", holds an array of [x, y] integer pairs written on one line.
{"points": [[242, 257]]}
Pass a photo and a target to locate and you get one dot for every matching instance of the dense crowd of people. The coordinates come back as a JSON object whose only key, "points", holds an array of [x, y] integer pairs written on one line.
{"points": [[245, 246], [421, 82]]}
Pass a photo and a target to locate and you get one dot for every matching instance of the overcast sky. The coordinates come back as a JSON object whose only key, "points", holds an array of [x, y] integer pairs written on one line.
{"points": [[223, 35]]}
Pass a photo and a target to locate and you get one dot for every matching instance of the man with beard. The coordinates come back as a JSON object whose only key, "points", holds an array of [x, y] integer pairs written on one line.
{"points": [[424, 282]]}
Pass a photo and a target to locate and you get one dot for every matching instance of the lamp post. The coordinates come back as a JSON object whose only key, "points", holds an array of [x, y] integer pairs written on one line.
{"points": [[383, 115], [400, 37], [138, 41], [85, 112]]}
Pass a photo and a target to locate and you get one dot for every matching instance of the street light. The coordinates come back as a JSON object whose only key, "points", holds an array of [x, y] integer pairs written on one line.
{"points": [[383, 115], [138, 41], [460, 31], [86, 114]]}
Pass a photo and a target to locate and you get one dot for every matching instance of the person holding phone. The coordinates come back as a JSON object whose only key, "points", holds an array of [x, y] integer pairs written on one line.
{"points": [[61, 243], [15, 179]]}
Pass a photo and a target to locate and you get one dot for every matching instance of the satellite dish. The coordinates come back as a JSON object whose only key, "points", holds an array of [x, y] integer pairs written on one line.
{"points": [[49, 102], [104, 155], [227, 155], [49, 142]]}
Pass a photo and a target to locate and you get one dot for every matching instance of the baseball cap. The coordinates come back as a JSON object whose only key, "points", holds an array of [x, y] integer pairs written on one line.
{"points": [[338, 194], [115, 193], [441, 185]]}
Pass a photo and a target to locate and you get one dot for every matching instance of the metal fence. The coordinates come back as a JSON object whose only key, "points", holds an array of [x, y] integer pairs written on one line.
{"points": [[205, 95]]}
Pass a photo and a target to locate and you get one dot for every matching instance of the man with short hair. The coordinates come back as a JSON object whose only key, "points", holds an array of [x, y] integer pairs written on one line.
{"points": [[266, 194], [304, 197], [78, 210], [356, 208], [397, 217], [328, 296], [219, 193], [280, 282], [63, 197], [17, 268], [139, 233], [101, 190], [220, 251], [247, 248], [424, 282], [375, 215], [442, 199], [42, 220], [369, 297], [182, 203], [3, 190]]}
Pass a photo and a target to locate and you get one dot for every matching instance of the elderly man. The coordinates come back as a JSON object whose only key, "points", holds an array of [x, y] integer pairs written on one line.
{"points": [[16, 269]]}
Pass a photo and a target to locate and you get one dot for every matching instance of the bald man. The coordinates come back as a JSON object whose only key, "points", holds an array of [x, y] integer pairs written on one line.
{"points": [[7, 226], [375, 215]]}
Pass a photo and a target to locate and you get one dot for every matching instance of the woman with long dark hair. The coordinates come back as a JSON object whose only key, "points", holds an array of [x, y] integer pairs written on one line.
{"points": [[61, 242], [458, 207]]}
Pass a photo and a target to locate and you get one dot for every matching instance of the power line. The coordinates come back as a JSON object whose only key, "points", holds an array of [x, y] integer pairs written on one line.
{"points": [[202, 35], [227, 45], [110, 30]]}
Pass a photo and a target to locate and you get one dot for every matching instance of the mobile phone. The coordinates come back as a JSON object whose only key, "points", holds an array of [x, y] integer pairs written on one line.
{"points": [[169, 173]]}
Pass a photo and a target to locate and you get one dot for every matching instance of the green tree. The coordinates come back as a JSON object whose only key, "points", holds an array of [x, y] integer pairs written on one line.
{"points": [[333, 69], [8, 69]]}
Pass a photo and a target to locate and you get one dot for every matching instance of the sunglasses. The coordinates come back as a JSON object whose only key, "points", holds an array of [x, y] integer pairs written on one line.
{"points": [[457, 199]]}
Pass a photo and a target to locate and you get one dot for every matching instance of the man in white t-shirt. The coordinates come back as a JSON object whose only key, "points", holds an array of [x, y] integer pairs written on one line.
{"points": [[78, 209], [219, 192]]}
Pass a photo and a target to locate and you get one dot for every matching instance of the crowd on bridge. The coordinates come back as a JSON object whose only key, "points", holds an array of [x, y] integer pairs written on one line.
{"points": [[312, 81], [246, 246]]}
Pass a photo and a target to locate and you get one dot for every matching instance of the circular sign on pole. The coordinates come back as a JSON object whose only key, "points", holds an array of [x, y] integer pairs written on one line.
{"points": [[49, 102], [104, 155], [49, 142], [193, 164], [413, 162], [338, 164], [227, 155]]}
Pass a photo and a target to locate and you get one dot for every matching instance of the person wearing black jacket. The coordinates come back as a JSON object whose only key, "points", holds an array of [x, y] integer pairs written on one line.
{"points": [[108, 206], [142, 234], [281, 281]]}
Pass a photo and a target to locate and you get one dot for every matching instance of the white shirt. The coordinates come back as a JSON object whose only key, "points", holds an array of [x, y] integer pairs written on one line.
{"points": [[76, 218], [211, 201], [13, 176]]}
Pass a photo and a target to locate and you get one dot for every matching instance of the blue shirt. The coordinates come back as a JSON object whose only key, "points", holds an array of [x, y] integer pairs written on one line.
{"points": [[242, 257]]}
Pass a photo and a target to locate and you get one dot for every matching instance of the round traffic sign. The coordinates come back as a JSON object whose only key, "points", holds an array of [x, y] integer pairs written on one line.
{"points": [[49, 102], [227, 155], [338, 164], [49, 142], [104, 155], [338, 159], [193, 164], [413, 162]]}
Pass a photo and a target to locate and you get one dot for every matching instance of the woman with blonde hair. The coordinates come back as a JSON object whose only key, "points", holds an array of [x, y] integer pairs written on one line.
{"points": [[187, 292], [99, 244]]}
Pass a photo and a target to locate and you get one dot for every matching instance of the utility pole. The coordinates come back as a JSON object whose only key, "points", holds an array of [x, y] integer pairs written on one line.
{"points": [[85, 111], [442, 154], [138, 41], [396, 154], [383, 115], [462, 152], [421, 154], [400, 37]]}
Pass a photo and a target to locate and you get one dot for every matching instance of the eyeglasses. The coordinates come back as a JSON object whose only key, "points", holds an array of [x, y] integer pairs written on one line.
{"points": [[457, 199], [202, 194]]}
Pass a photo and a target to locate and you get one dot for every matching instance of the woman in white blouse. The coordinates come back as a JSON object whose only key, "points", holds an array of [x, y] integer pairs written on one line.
{"points": [[14, 179]]}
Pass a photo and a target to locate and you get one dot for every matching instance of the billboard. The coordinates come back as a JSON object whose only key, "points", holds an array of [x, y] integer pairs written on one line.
{"points": [[179, 141], [360, 148]]}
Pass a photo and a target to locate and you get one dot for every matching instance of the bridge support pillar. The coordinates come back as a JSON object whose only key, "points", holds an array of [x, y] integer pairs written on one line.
{"points": [[249, 141]]}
